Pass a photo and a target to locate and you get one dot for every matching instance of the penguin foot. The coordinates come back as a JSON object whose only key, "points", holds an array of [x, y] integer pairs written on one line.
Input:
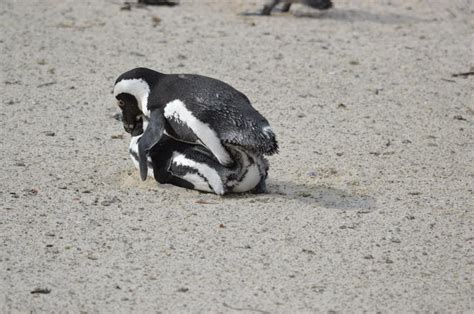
{"points": [[267, 10], [261, 187], [286, 7]]}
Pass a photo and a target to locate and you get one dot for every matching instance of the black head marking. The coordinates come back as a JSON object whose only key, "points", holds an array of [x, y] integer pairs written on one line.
{"points": [[131, 114]]}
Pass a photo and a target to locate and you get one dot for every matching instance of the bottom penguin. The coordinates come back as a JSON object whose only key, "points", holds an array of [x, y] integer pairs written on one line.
{"points": [[194, 167]]}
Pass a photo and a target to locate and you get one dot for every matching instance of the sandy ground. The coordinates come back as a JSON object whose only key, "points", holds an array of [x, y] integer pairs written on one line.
{"points": [[371, 197]]}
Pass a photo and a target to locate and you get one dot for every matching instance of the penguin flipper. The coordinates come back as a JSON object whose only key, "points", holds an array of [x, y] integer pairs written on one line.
{"points": [[150, 138]]}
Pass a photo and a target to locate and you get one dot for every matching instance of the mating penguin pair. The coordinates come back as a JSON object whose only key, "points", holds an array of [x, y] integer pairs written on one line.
{"points": [[194, 167], [204, 119]]}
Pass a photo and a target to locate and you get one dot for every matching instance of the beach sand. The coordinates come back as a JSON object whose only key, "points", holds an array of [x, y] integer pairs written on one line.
{"points": [[370, 203]]}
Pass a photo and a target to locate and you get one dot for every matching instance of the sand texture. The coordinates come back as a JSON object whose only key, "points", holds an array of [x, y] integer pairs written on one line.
{"points": [[370, 203]]}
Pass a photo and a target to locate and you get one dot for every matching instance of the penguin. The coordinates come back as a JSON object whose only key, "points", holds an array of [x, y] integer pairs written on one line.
{"points": [[194, 109], [193, 166], [316, 4]]}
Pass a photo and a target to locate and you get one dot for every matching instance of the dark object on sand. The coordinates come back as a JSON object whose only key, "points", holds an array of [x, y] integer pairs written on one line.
{"points": [[127, 6], [158, 2], [271, 4], [41, 291], [465, 74]]}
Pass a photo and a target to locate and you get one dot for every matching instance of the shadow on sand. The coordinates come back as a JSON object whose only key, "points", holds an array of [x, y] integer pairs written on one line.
{"points": [[351, 15], [317, 195]]}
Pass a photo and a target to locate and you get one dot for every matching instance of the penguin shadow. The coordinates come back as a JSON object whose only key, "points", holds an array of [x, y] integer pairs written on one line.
{"points": [[314, 194], [358, 15]]}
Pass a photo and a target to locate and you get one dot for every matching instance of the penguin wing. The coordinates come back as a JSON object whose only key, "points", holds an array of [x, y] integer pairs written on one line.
{"points": [[151, 136], [220, 113]]}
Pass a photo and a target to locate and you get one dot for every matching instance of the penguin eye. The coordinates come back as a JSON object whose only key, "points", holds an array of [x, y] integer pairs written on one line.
{"points": [[121, 103]]}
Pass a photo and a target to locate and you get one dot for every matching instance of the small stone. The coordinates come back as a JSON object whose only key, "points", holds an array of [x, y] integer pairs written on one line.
{"points": [[155, 21], [312, 174], [459, 117]]}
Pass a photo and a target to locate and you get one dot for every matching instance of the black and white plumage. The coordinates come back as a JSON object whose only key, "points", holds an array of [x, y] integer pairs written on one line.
{"points": [[316, 4], [195, 109], [194, 167]]}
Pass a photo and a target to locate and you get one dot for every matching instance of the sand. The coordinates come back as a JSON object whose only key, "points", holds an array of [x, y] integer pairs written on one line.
{"points": [[370, 203]]}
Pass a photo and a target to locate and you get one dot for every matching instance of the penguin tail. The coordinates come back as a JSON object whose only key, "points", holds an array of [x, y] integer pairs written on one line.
{"points": [[262, 142], [269, 145], [318, 4], [253, 137]]}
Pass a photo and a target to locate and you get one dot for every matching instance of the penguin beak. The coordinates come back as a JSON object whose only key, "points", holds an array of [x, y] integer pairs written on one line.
{"points": [[128, 127], [137, 131], [134, 129]]}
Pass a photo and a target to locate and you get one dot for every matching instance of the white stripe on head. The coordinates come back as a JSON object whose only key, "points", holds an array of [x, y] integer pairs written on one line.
{"points": [[137, 88], [177, 109], [209, 173]]}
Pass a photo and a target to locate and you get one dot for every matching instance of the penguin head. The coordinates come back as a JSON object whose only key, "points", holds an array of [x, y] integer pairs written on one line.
{"points": [[131, 115], [137, 83], [131, 91]]}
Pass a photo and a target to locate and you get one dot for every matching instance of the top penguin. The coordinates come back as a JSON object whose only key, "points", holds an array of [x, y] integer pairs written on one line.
{"points": [[316, 4], [191, 108]]}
